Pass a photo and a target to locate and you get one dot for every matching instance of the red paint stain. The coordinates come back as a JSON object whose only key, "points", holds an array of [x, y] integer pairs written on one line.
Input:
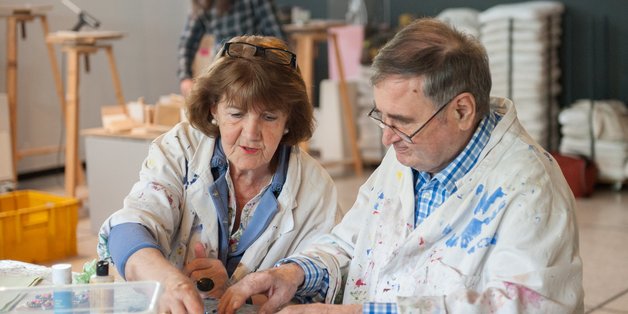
{"points": [[421, 241], [527, 295], [360, 283]]}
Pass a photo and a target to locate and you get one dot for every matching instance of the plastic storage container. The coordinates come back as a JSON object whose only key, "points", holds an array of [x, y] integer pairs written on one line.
{"points": [[128, 297], [37, 226]]}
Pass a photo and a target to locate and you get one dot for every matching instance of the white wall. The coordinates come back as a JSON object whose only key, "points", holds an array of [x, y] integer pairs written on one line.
{"points": [[146, 59]]}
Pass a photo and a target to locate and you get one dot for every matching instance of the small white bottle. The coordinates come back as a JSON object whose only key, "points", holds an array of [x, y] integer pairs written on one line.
{"points": [[62, 276], [100, 299]]}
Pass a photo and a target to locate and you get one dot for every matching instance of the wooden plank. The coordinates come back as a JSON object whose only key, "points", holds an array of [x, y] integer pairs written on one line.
{"points": [[12, 86], [347, 110], [115, 77], [44, 150], [56, 73], [71, 122]]}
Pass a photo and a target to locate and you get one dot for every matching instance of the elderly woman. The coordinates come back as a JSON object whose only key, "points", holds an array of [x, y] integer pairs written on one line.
{"points": [[229, 192]]}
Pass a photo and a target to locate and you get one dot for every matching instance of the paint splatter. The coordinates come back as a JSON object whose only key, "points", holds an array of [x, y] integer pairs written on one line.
{"points": [[187, 181], [474, 227], [360, 283], [447, 230], [527, 295]]}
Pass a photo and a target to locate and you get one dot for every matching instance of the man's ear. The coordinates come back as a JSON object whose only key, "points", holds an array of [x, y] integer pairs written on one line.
{"points": [[465, 111]]}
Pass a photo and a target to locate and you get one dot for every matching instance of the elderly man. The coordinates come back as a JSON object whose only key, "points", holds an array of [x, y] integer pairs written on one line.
{"points": [[465, 214]]}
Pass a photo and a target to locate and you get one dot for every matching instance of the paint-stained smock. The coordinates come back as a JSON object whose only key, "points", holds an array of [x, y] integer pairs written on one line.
{"points": [[505, 241], [174, 189]]}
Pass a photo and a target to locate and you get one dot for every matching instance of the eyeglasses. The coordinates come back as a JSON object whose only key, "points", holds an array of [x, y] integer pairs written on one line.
{"points": [[246, 50], [377, 117]]}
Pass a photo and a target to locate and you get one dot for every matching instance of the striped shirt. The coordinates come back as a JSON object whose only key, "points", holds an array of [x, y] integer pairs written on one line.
{"points": [[429, 192]]}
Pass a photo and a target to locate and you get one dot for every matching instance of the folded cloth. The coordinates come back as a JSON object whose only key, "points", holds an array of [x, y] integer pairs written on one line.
{"points": [[520, 36], [502, 46], [611, 157], [544, 58], [522, 93], [531, 76], [531, 10], [535, 25], [463, 19], [610, 119], [578, 131], [540, 67]]}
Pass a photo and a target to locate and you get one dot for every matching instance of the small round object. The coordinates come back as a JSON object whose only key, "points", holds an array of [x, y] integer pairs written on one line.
{"points": [[205, 284]]}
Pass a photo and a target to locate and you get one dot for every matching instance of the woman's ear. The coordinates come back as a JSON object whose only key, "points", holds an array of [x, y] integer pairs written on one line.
{"points": [[465, 110]]}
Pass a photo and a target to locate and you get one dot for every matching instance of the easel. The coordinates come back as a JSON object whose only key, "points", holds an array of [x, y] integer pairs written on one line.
{"points": [[304, 38], [76, 45], [19, 15]]}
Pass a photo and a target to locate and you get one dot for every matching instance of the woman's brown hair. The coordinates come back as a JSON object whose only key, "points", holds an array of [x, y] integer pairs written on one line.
{"points": [[252, 83]]}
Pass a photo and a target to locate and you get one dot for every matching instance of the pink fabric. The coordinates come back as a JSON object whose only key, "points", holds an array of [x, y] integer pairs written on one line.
{"points": [[350, 40]]}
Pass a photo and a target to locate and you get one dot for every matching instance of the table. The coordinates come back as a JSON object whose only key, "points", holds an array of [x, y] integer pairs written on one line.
{"points": [[110, 176], [17, 14], [304, 37], [76, 45]]}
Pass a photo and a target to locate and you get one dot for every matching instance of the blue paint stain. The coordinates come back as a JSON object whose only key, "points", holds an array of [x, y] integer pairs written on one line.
{"points": [[447, 230], [485, 202], [479, 189], [453, 241], [381, 195], [186, 180], [485, 242], [474, 227], [472, 230], [376, 206]]}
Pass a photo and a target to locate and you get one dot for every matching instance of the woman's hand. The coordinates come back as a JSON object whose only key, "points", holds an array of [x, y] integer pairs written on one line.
{"points": [[180, 294], [204, 267]]}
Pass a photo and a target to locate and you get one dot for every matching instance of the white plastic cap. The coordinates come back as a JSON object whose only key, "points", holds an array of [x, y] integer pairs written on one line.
{"points": [[61, 274]]}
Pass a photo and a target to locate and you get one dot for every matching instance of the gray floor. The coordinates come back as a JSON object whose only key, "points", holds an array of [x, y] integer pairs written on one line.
{"points": [[602, 221]]}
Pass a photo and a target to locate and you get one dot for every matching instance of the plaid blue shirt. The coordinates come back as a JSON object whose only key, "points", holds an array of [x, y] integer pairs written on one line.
{"points": [[429, 193], [246, 17]]}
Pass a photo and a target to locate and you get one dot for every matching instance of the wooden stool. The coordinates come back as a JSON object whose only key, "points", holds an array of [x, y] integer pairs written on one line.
{"points": [[19, 15], [76, 45]]}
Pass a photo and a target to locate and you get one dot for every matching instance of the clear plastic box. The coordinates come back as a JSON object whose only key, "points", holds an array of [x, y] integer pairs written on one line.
{"points": [[119, 297]]}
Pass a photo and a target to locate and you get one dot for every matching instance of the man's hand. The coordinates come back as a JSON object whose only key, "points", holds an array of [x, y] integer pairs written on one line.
{"points": [[204, 267], [278, 284]]}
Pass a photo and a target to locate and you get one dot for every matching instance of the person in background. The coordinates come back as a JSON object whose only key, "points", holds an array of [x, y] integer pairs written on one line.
{"points": [[223, 19], [465, 214], [229, 192]]}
